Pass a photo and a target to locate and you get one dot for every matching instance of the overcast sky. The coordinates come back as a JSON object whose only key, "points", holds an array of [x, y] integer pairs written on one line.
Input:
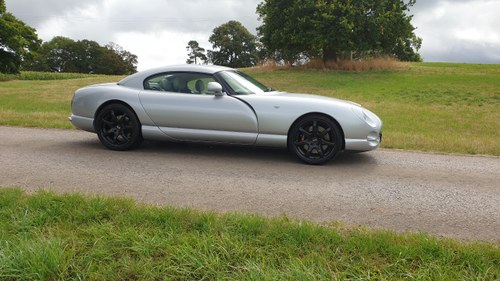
{"points": [[157, 31]]}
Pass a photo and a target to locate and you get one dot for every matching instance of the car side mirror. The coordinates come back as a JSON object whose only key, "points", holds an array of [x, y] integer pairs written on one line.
{"points": [[215, 88]]}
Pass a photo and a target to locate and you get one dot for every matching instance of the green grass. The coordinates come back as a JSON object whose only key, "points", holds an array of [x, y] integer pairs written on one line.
{"points": [[442, 107], [44, 236], [37, 99], [428, 106], [31, 75]]}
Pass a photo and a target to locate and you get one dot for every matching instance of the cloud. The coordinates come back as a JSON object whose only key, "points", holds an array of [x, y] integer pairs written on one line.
{"points": [[158, 48], [138, 15], [155, 30], [459, 31], [36, 12], [158, 30]]}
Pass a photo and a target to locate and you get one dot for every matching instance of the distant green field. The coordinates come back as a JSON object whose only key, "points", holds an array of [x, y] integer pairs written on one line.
{"points": [[42, 99], [427, 106]]}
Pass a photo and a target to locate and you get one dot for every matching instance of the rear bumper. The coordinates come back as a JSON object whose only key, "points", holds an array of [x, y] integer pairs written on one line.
{"points": [[82, 123]]}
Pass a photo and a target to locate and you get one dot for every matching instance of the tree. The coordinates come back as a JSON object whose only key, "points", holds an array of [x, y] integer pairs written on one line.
{"points": [[128, 60], [233, 46], [196, 53], [332, 29], [279, 33], [386, 28], [115, 60], [85, 56], [57, 54], [17, 40]]}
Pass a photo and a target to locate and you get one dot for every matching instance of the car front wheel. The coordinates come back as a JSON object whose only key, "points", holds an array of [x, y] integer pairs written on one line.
{"points": [[118, 127], [315, 139]]}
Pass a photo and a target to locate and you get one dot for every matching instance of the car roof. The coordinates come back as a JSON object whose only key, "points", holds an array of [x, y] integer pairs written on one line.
{"points": [[136, 80]]}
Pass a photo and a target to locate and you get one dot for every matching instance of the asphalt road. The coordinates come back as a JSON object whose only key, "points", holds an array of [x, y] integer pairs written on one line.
{"points": [[449, 195]]}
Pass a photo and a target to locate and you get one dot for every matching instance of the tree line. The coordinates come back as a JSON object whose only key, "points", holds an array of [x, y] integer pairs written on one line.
{"points": [[63, 54], [299, 30], [21, 49], [292, 31]]}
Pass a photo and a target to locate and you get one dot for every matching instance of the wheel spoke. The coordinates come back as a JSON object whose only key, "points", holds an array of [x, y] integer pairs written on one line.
{"points": [[302, 130], [125, 137], [315, 128], [309, 150], [332, 144], [109, 123], [300, 143], [320, 151], [113, 116], [115, 137], [323, 134], [109, 132], [122, 118]]}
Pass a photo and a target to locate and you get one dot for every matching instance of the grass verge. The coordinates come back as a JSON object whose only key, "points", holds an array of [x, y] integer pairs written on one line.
{"points": [[44, 236]]}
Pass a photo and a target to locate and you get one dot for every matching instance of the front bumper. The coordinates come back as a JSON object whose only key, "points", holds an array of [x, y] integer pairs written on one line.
{"points": [[372, 141]]}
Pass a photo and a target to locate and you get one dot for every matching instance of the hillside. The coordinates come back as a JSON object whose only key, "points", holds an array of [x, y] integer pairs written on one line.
{"points": [[425, 106]]}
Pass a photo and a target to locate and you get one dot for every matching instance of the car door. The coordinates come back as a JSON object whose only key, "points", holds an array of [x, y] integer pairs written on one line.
{"points": [[180, 105]]}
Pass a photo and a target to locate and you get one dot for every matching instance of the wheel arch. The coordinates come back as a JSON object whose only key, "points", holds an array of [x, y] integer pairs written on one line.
{"points": [[318, 113], [113, 101]]}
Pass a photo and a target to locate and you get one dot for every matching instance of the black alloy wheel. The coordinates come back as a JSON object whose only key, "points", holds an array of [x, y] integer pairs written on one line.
{"points": [[315, 139], [118, 127]]}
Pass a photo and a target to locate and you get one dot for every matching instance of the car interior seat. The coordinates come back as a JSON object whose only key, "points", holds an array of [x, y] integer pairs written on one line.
{"points": [[180, 86], [166, 85], [200, 87]]}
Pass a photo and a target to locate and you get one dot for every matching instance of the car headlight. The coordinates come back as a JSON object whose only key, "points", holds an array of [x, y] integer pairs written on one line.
{"points": [[364, 115]]}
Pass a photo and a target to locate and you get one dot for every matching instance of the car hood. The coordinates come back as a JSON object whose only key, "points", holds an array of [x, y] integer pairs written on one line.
{"points": [[276, 110], [299, 97]]}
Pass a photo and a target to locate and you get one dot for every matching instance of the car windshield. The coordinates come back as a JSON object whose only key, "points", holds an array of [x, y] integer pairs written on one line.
{"points": [[243, 84]]}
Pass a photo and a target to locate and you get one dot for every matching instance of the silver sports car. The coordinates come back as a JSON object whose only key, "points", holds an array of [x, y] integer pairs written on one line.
{"points": [[221, 105]]}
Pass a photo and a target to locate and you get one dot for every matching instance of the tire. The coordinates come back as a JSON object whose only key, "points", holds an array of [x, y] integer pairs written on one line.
{"points": [[315, 139], [118, 128]]}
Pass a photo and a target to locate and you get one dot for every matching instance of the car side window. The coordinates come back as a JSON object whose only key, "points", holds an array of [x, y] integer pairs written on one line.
{"points": [[186, 83]]}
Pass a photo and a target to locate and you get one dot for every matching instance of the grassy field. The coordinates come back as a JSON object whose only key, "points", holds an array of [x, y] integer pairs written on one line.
{"points": [[425, 106], [44, 236], [43, 100]]}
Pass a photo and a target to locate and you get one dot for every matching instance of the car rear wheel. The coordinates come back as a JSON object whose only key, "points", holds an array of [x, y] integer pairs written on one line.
{"points": [[118, 127], [315, 139]]}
